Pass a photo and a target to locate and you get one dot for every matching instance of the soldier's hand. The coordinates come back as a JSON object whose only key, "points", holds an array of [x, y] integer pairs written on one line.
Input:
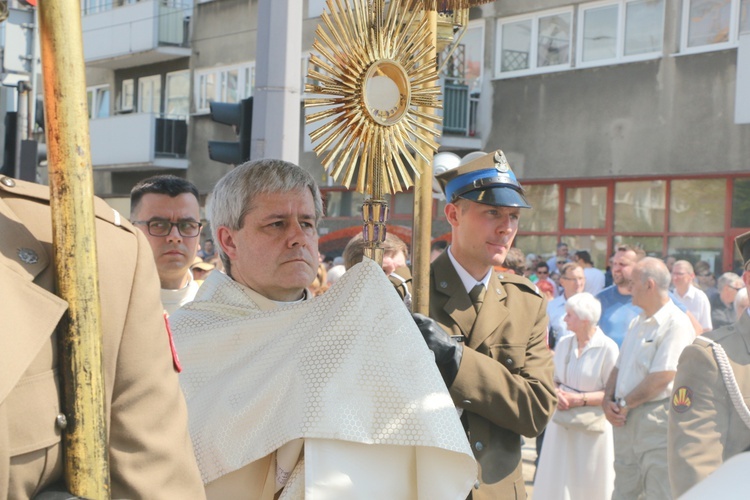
{"points": [[447, 351]]}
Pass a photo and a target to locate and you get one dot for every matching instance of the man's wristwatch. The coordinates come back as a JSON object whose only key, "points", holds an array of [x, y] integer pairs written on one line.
{"points": [[621, 403]]}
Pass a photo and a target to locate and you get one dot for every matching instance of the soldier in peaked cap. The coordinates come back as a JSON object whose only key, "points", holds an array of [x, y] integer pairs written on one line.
{"points": [[709, 422], [488, 330]]}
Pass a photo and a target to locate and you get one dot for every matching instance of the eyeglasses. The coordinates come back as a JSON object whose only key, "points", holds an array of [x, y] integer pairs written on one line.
{"points": [[186, 228], [542, 272], [735, 288], [572, 278]]}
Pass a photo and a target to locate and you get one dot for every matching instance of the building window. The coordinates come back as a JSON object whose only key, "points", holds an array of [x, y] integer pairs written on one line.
{"points": [[713, 24], [206, 90], [695, 248], [544, 201], [226, 84], [639, 206], [98, 101], [613, 32], [89, 7], [344, 204], [697, 214], [127, 95], [178, 94], [586, 207], [535, 44], [248, 81], [149, 94], [741, 203]]}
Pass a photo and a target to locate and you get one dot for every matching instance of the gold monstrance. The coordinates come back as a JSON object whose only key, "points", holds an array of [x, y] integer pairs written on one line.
{"points": [[375, 65]]}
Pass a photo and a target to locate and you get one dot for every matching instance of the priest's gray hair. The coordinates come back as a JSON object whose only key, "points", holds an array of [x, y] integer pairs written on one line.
{"points": [[235, 193]]}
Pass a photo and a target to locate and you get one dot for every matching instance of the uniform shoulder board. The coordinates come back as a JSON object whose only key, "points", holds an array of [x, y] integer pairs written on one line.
{"points": [[41, 192], [520, 281], [106, 213], [24, 188]]}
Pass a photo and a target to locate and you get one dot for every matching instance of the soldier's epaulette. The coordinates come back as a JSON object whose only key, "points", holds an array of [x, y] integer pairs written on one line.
{"points": [[41, 192], [520, 281], [104, 212]]}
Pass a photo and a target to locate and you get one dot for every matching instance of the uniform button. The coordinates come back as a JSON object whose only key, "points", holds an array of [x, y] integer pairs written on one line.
{"points": [[8, 182], [476, 485], [61, 421], [478, 446], [509, 361]]}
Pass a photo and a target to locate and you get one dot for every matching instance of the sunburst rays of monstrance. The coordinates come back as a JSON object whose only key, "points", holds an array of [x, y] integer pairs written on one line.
{"points": [[376, 67]]}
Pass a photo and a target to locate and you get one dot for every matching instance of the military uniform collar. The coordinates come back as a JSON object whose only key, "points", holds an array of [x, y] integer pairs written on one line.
{"points": [[467, 279]]}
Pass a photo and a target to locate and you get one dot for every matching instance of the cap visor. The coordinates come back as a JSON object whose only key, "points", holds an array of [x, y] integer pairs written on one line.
{"points": [[497, 196]]}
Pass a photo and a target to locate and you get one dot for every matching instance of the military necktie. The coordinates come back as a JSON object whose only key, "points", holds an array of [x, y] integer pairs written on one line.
{"points": [[477, 296]]}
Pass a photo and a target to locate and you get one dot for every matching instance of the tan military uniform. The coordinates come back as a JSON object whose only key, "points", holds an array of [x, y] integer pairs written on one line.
{"points": [[150, 451], [504, 383], [704, 427]]}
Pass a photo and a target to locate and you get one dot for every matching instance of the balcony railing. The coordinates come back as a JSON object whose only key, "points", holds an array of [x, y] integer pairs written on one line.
{"points": [[459, 110], [113, 31], [171, 138], [139, 140]]}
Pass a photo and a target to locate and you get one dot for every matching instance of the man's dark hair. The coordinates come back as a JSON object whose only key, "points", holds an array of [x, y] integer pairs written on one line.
{"points": [[161, 184], [584, 256], [541, 264]]}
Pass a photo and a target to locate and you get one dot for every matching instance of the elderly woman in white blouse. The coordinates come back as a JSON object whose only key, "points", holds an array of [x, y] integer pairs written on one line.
{"points": [[577, 457]]}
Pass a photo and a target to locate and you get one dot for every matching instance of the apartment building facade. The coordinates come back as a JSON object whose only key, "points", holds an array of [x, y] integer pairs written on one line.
{"points": [[626, 120]]}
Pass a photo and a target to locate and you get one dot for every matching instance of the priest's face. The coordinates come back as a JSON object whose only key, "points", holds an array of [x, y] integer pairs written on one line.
{"points": [[276, 251]]}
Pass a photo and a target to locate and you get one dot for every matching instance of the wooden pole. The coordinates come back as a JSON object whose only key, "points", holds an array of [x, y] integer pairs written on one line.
{"points": [[73, 232], [422, 226]]}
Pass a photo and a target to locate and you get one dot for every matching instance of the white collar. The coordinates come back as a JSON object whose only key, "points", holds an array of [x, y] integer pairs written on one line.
{"points": [[466, 278]]}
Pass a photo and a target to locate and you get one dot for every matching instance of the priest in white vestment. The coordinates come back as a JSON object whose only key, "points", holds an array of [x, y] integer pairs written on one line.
{"points": [[332, 397]]}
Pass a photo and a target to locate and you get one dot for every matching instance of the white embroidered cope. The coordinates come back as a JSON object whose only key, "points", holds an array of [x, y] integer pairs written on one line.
{"points": [[349, 366]]}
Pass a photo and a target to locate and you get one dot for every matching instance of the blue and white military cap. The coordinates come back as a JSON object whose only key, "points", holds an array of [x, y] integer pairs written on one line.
{"points": [[488, 180]]}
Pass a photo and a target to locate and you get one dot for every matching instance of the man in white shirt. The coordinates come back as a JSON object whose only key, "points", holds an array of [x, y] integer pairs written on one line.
{"points": [[636, 397], [167, 210], [594, 277], [561, 257], [573, 281], [694, 298]]}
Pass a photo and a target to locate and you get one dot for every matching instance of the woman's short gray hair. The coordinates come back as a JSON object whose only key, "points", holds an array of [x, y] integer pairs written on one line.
{"points": [[585, 306], [234, 194]]}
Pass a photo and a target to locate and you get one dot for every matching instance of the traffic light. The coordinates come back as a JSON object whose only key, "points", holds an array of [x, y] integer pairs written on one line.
{"points": [[239, 115]]}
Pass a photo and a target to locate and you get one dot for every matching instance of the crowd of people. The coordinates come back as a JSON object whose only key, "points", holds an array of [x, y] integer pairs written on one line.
{"points": [[298, 372]]}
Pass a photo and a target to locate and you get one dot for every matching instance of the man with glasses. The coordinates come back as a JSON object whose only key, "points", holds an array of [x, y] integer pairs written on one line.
{"points": [[542, 274], [166, 209], [722, 305], [573, 281], [694, 298]]}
